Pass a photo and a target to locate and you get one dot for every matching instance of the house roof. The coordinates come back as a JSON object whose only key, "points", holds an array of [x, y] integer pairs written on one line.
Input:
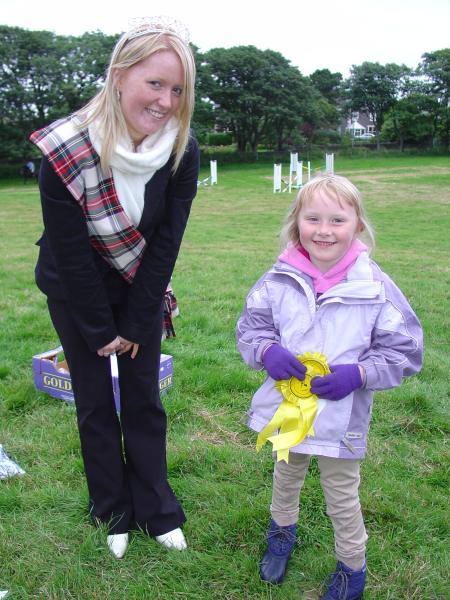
{"points": [[365, 119], [355, 125]]}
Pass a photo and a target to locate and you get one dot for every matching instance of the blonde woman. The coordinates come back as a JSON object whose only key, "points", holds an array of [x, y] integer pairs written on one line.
{"points": [[117, 182]]}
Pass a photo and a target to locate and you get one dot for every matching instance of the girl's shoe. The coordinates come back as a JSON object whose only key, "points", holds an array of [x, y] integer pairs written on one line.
{"points": [[280, 543], [345, 584], [118, 544], [173, 539]]}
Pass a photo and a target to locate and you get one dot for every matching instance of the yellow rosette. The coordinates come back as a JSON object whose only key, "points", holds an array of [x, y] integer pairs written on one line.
{"points": [[295, 416]]}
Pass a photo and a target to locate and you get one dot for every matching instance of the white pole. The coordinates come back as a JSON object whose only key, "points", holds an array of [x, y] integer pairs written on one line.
{"points": [[300, 174], [213, 167], [293, 169], [309, 170], [329, 163], [277, 178], [294, 161]]}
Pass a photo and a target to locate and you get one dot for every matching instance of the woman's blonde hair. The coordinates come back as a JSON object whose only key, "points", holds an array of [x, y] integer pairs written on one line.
{"points": [[104, 108], [337, 187]]}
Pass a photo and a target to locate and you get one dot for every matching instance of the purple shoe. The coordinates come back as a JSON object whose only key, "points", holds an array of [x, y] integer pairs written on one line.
{"points": [[280, 543], [345, 584]]}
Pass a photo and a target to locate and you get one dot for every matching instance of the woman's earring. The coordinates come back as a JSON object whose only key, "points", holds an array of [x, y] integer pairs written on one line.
{"points": [[118, 94]]}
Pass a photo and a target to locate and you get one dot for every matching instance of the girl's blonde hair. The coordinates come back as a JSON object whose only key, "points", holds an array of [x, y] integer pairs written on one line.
{"points": [[104, 108], [339, 188]]}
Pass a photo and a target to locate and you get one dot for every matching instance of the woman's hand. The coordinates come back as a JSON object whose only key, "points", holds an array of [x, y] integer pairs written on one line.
{"points": [[126, 345], [110, 348]]}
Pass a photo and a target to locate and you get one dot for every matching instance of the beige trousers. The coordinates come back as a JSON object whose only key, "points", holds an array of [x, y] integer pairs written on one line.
{"points": [[339, 479]]}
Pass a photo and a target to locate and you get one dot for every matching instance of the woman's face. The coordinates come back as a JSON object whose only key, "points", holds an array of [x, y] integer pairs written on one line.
{"points": [[150, 93]]}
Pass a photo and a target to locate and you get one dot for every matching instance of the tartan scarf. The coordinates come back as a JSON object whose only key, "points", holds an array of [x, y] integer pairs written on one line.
{"points": [[69, 150]]}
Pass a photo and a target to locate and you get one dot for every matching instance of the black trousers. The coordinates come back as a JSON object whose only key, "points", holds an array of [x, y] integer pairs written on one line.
{"points": [[124, 458]]}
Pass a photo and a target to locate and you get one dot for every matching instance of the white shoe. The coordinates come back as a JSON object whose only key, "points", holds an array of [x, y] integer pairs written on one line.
{"points": [[173, 539], [118, 544]]}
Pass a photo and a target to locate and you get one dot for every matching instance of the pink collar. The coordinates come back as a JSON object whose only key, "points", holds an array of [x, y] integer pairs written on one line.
{"points": [[297, 257]]}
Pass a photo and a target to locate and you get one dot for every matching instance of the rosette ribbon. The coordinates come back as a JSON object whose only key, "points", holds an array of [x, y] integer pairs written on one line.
{"points": [[296, 414]]}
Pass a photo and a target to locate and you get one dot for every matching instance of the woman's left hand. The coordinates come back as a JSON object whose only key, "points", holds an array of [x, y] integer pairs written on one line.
{"points": [[126, 346]]}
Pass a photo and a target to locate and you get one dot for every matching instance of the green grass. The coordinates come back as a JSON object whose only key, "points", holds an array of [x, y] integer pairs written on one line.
{"points": [[49, 550]]}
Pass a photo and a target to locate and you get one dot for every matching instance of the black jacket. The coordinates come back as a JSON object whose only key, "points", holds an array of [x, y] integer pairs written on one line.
{"points": [[69, 269]]}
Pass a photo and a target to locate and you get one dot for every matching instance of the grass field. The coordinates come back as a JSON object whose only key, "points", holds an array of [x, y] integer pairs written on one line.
{"points": [[48, 550]]}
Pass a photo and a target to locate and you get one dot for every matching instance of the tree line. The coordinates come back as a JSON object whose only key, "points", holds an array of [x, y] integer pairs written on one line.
{"points": [[255, 96]]}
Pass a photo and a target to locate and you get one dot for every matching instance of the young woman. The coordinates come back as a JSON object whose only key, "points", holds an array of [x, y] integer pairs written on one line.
{"points": [[117, 181]]}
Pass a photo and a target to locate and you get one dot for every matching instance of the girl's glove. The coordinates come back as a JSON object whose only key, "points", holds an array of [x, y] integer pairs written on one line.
{"points": [[282, 364], [342, 381]]}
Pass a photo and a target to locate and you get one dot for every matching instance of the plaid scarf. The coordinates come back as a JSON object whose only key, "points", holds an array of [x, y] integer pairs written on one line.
{"points": [[71, 154]]}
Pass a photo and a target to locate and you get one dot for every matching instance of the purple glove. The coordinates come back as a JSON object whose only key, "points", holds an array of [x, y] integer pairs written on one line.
{"points": [[343, 380], [282, 364]]}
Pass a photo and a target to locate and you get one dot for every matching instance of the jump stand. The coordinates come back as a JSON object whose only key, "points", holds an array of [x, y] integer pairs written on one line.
{"points": [[295, 180], [212, 177], [329, 163]]}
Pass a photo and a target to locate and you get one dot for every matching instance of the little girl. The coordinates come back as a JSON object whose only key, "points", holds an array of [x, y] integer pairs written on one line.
{"points": [[326, 295]]}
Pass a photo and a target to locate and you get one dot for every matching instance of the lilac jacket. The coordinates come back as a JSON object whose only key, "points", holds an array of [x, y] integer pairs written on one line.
{"points": [[363, 319]]}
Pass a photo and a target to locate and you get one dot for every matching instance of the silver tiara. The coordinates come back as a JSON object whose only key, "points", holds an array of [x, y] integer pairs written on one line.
{"points": [[159, 24]]}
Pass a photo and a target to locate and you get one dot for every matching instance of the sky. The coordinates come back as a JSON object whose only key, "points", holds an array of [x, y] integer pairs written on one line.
{"points": [[313, 35]]}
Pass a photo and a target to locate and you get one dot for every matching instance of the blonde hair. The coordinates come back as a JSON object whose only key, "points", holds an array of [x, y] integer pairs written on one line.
{"points": [[339, 188], [104, 108]]}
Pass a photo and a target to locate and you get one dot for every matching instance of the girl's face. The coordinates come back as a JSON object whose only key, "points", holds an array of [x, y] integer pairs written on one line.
{"points": [[327, 229], [150, 93]]}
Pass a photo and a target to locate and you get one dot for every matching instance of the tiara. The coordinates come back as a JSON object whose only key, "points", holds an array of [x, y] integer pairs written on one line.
{"points": [[159, 24]]}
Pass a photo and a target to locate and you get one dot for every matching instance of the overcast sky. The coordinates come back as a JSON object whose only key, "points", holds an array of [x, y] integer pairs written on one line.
{"points": [[313, 35]]}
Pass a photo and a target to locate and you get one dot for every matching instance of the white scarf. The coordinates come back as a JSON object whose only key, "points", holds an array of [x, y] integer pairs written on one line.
{"points": [[132, 170]]}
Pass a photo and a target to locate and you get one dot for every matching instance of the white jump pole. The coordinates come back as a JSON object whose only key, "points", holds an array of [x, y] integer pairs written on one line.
{"points": [[293, 169], [213, 167], [329, 163], [300, 174], [277, 178]]}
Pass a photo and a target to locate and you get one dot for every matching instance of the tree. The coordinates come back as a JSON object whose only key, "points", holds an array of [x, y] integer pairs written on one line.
{"points": [[29, 66], [42, 77], [329, 102], [203, 119], [254, 91], [291, 108], [411, 119], [84, 59], [328, 84], [375, 88], [435, 67]]}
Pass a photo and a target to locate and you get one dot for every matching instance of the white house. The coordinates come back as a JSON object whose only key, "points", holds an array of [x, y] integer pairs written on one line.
{"points": [[360, 124]]}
